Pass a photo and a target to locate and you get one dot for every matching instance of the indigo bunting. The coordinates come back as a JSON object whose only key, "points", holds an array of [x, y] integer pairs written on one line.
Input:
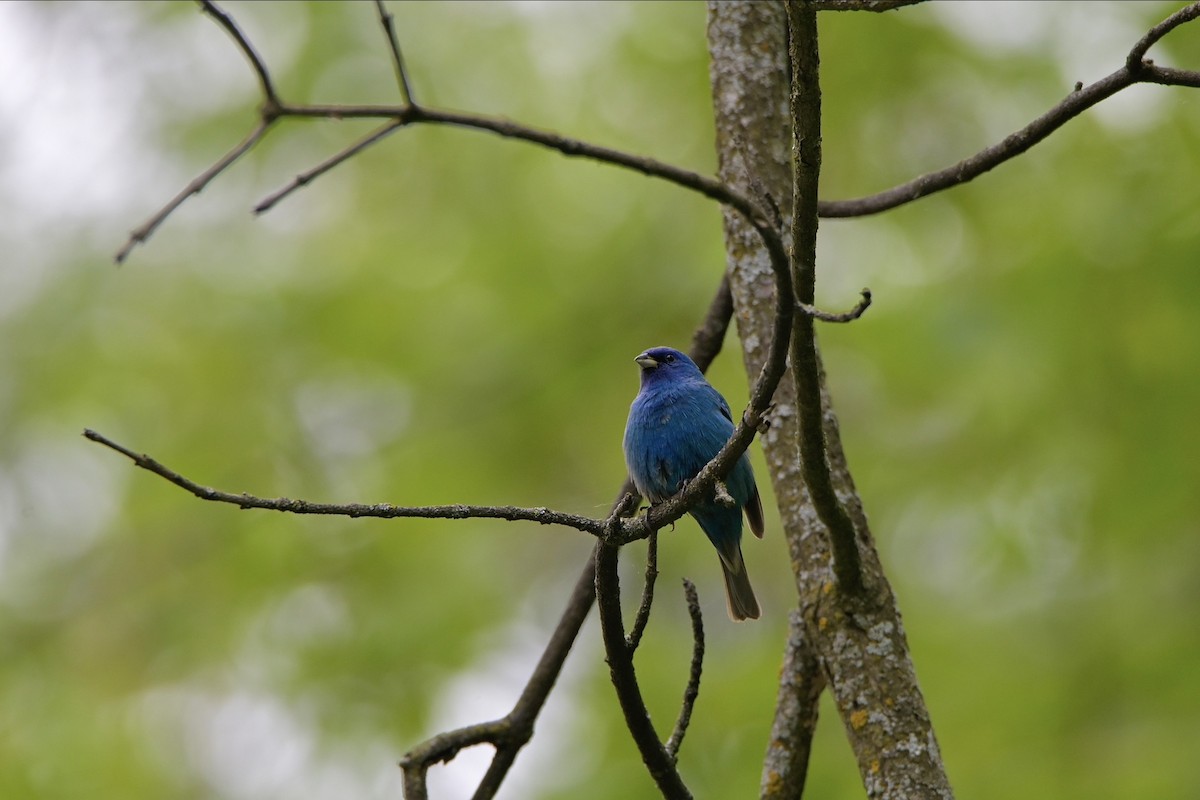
{"points": [[677, 423]]}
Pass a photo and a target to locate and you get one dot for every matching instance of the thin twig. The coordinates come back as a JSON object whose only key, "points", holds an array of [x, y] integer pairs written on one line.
{"points": [[143, 231], [643, 613], [845, 316], [1138, 53], [542, 516], [270, 96], [389, 28], [692, 690], [442, 748], [863, 5], [305, 178]]}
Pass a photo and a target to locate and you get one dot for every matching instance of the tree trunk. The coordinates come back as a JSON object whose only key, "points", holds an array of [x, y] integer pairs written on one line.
{"points": [[855, 646]]}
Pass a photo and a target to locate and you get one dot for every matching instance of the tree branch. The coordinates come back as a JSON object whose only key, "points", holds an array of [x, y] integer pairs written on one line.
{"points": [[510, 733], [147, 228], [643, 613], [800, 685], [1134, 61], [543, 516], [863, 5], [966, 170], [846, 316], [1135, 70], [389, 28], [659, 763], [692, 690], [270, 96], [806, 146], [305, 178], [863, 654]]}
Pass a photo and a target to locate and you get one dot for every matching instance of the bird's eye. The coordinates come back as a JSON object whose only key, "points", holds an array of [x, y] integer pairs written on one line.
{"points": [[669, 358]]}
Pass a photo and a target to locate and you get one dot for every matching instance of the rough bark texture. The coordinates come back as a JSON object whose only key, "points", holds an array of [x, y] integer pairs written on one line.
{"points": [[858, 649]]}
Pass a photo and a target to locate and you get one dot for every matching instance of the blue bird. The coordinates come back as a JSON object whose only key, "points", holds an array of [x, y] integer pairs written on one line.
{"points": [[677, 423]]}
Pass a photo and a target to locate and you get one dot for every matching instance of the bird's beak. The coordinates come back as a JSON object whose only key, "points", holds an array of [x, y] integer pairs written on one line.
{"points": [[646, 362]]}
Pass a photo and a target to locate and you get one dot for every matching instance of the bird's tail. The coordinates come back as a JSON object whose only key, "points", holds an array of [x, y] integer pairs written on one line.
{"points": [[739, 595]]}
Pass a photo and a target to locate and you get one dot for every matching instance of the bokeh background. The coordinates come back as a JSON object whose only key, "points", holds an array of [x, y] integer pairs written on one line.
{"points": [[452, 317]]}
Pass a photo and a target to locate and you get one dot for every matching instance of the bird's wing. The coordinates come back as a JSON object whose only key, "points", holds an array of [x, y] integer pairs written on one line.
{"points": [[754, 513], [724, 406], [754, 509]]}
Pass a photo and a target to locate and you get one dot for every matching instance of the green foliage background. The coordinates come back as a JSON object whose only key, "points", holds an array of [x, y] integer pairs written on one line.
{"points": [[452, 317]]}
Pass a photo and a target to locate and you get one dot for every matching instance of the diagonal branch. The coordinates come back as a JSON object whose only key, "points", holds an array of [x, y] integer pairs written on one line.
{"points": [[542, 516], [305, 178], [389, 28], [706, 344], [1137, 54], [1135, 70], [863, 5], [510, 733], [270, 96], [147, 228], [659, 762]]}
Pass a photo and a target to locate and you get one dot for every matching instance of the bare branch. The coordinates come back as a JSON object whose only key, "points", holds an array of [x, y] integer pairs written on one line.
{"points": [[659, 763], [863, 5], [1134, 60], [389, 28], [270, 96], [692, 690], [305, 178], [643, 613], [797, 703], [962, 172], [806, 371], [443, 747], [542, 516], [846, 316], [1134, 71], [1168, 76], [143, 231]]}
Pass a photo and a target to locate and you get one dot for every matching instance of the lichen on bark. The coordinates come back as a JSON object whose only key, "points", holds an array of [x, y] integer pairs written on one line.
{"points": [[858, 648]]}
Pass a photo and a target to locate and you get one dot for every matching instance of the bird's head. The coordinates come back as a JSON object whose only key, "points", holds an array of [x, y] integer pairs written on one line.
{"points": [[665, 363]]}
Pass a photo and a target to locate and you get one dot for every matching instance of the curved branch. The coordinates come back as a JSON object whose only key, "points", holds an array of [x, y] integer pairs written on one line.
{"points": [[692, 690], [964, 171], [659, 762], [643, 613], [1134, 71], [846, 316], [270, 96], [1138, 53]]}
